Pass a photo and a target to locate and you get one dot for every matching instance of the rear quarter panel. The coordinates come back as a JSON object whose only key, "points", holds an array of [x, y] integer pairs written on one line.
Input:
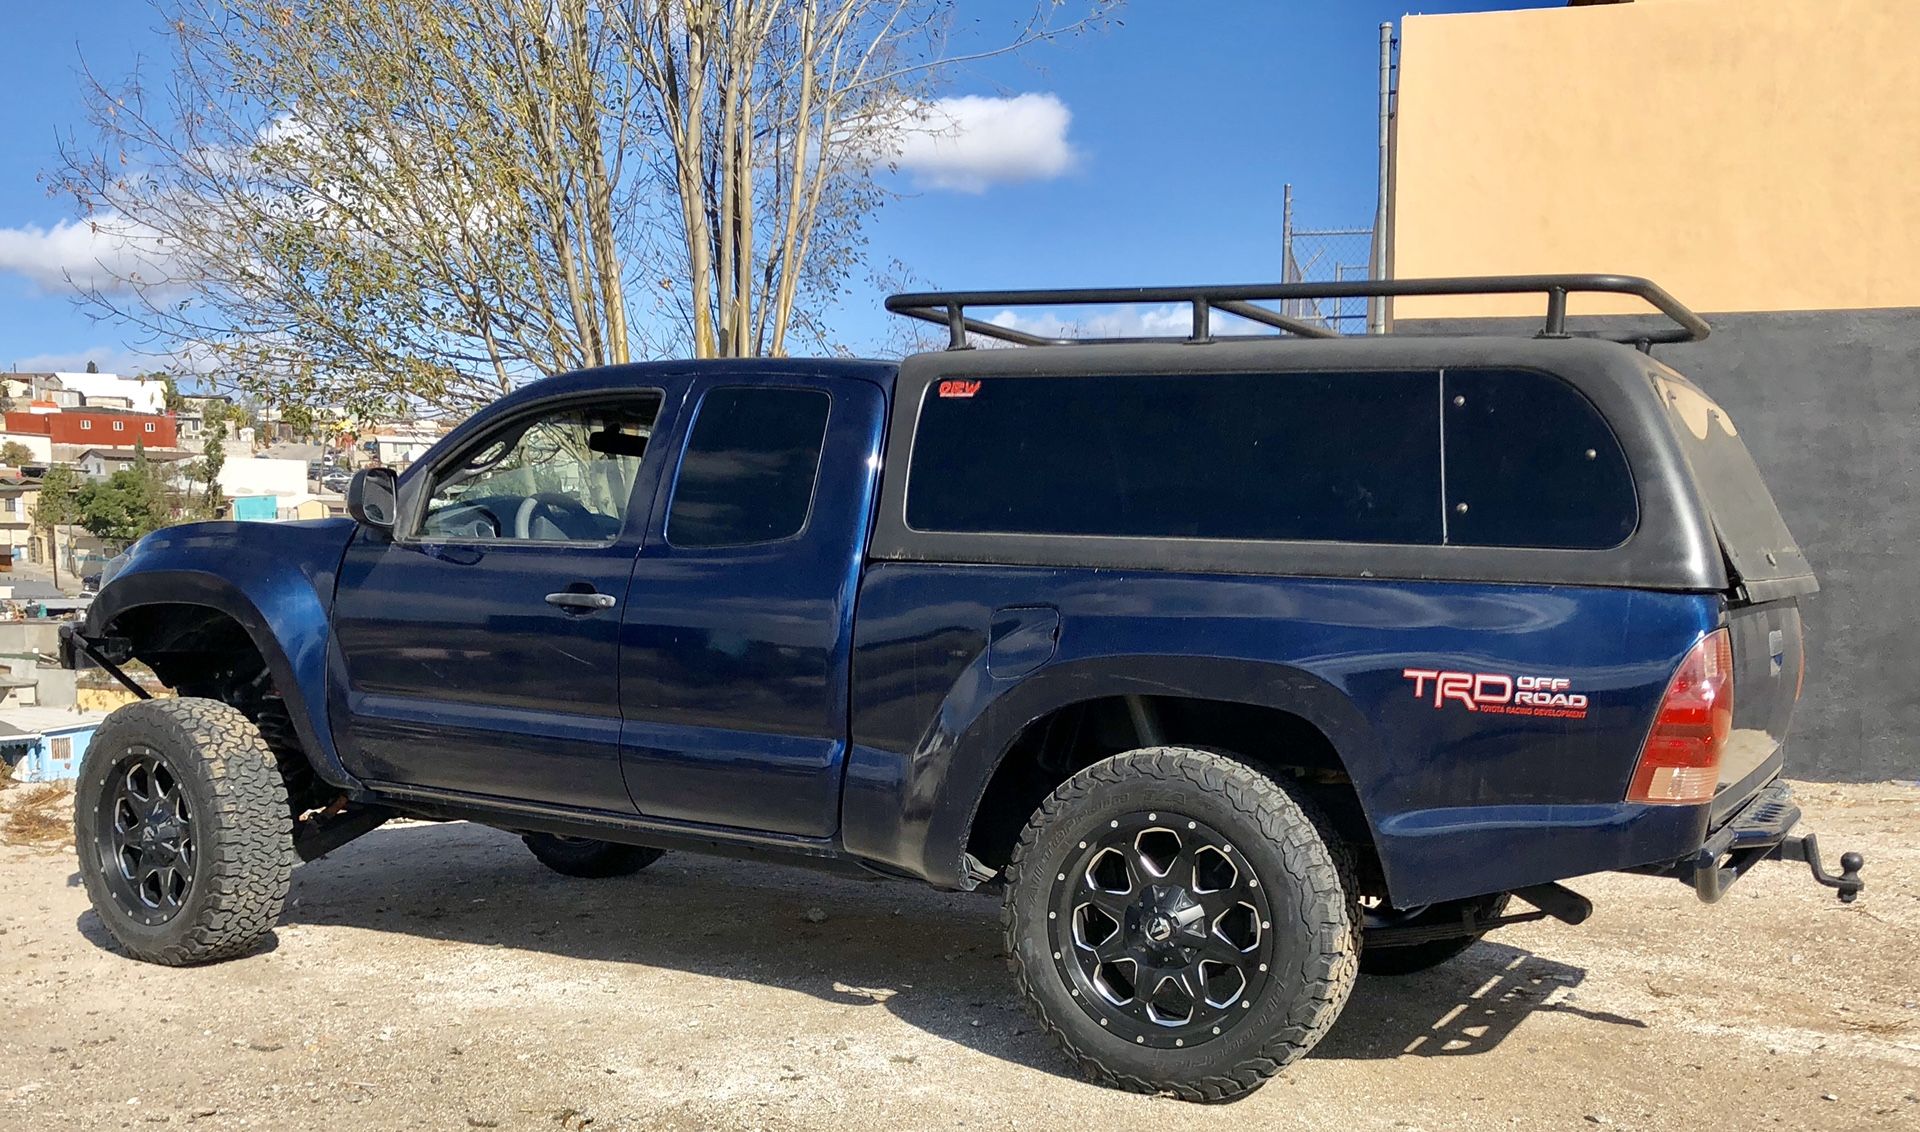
{"points": [[1461, 801]]}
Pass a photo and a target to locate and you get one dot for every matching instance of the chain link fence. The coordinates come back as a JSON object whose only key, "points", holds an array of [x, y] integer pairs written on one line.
{"points": [[1323, 255]]}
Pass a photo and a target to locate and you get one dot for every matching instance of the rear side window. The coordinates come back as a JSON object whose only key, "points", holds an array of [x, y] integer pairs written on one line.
{"points": [[749, 470], [1351, 457], [1531, 462]]}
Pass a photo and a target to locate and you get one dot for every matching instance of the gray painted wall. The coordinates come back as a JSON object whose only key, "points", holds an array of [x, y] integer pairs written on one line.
{"points": [[1829, 404]]}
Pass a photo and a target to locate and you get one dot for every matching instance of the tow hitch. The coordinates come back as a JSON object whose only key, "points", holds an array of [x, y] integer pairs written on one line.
{"points": [[1761, 832], [1806, 847]]}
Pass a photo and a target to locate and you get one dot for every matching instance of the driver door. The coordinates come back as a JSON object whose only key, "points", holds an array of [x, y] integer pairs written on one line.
{"points": [[480, 642]]}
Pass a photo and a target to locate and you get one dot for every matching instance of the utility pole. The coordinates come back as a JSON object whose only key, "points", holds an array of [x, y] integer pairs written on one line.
{"points": [[1377, 306]]}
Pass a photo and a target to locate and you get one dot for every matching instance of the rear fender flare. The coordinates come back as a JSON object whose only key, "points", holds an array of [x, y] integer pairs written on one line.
{"points": [[977, 749]]}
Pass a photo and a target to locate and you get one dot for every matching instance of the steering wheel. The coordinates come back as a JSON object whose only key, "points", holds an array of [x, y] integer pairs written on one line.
{"points": [[549, 501]]}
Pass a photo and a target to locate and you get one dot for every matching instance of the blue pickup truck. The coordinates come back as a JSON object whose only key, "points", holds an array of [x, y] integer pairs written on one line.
{"points": [[1237, 665]]}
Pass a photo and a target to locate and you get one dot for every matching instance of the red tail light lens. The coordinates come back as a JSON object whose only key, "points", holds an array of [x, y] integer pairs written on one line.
{"points": [[1680, 764]]}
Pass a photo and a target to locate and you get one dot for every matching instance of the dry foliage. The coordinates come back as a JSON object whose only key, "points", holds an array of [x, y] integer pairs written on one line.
{"points": [[39, 814], [370, 206]]}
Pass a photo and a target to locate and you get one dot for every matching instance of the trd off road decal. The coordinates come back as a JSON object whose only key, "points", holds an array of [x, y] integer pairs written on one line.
{"points": [[1499, 694], [959, 388]]}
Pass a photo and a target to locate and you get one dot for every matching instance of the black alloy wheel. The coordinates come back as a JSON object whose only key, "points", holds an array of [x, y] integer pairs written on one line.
{"points": [[1180, 922], [183, 829], [1161, 929], [145, 837]]}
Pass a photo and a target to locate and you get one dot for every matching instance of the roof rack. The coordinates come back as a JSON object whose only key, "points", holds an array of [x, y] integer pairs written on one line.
{"points": [[949, 308]]}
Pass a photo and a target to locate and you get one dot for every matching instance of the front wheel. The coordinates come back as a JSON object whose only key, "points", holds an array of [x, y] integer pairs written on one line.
{"points": [[183, 832], [1181, 923]]}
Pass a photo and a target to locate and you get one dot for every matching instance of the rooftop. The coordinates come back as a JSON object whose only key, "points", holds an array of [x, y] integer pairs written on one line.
{"points": [[126, 452], [41, 720]]}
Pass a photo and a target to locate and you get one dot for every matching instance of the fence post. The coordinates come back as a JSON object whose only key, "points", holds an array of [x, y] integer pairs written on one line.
{"points": [[1287, 272], [1377, 305]]}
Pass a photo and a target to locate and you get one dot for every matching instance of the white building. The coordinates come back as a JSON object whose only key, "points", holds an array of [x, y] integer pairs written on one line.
{"points": [[110, 390], [38, 443], [260, 475], [400, 443]]}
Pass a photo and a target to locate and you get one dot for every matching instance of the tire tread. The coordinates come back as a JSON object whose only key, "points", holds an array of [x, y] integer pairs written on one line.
{"points": [[247, 877], [1315, 859]]}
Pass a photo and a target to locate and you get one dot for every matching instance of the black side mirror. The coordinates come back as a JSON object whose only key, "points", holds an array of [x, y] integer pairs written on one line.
{"points": [[373, 498]]}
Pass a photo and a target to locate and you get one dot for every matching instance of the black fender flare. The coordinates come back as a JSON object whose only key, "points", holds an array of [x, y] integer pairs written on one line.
{"points": [[977, 751], [299, 679]]}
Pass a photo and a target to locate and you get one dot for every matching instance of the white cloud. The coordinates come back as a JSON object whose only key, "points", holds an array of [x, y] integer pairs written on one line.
{"points": [[99, 252], [971, 142]]}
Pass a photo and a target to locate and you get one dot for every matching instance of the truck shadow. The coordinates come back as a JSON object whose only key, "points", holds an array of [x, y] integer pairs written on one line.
{"points": [[1466, 1006], [930, 958]]}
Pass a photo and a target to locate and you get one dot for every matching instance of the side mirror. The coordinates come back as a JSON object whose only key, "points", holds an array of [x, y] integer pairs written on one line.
{"points": [[373, 498]]}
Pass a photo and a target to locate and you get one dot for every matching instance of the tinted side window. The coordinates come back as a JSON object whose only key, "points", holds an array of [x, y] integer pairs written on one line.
{"points": [[1531, 462], [749, 469], [1352, 457]]}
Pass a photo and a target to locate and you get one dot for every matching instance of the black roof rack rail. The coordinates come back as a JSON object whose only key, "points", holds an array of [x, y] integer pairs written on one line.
{"points": [[949, 308]]}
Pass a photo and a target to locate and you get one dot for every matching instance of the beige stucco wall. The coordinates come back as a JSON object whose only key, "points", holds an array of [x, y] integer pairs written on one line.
{"points": [[1749, 155]]}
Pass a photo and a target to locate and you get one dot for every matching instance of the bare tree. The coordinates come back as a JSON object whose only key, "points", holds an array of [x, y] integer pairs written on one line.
{"points": [[774, 114], [372, 205], [362, 203]]}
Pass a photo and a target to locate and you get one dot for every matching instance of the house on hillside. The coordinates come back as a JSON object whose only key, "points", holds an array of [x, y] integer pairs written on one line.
{"points": [[95, 426], [400, 443], [110, 390], [99, 463], [18, 494], [43, 744]]}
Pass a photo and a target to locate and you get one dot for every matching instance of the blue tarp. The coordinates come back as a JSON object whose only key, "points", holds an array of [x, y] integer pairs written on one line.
{"points": [[258, 508]]}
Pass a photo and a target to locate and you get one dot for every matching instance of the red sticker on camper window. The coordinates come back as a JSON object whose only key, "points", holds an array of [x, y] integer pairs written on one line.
{"points": [[959, 388]]}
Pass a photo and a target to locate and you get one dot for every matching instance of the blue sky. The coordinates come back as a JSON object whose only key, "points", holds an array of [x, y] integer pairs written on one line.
{"points": [[1157, 155]]}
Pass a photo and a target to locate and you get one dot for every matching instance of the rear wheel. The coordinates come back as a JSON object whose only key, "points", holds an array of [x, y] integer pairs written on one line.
{"points": [[1408, 959], [583, 857], [182, 829], [1181, 923]]}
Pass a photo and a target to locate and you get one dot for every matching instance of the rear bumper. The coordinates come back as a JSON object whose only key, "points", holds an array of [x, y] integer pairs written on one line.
{"points": [[1762, 830]]}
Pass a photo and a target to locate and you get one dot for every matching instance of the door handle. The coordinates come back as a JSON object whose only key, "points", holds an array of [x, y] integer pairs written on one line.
{"points": [[575, 602]]}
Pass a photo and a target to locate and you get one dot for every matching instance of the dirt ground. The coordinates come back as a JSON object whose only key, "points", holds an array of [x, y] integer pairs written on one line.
{"points": [[438, 977]]}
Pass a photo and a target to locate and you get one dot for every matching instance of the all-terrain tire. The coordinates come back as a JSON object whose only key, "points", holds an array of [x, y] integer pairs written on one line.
{"points": [[241, 834], [581, 857], [1302, 872], [1413, 958]]}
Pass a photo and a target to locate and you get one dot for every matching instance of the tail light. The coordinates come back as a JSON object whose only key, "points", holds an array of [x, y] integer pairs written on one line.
{"points": [[1680, 763]]}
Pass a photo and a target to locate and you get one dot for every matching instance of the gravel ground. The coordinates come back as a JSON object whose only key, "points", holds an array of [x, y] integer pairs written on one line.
{"points": [[438, 977]]}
